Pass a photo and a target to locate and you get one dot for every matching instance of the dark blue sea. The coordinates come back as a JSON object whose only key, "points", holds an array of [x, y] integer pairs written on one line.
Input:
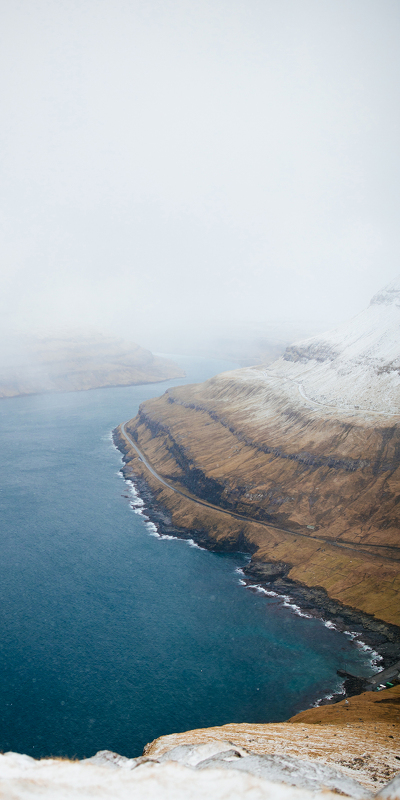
{"points": [[111, 636]]}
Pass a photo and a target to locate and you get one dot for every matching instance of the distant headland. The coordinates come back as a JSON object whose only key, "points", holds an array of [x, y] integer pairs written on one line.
{"points": [[77, 361]]}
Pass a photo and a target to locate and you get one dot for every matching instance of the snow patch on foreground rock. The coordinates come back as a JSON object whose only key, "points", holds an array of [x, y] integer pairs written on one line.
{"points": [[216, 770]]}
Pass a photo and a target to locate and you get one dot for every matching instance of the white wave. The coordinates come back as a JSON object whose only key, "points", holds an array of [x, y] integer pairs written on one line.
{"points": [[330, 696], [114, 445], [137, 503], [261, 590], [376, 659], [356, 637], [351, 634], [242, 583], [288, 603], [133, 488], [239, 571], [297, 610], [192, 543], [152, 528], [135, 495]]}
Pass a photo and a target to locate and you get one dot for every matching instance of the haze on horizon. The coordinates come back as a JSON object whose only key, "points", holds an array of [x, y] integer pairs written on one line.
{"points": [[190, 164]]}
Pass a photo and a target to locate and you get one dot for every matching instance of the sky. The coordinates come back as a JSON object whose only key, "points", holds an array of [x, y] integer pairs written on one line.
{"points": [[192, 163]]}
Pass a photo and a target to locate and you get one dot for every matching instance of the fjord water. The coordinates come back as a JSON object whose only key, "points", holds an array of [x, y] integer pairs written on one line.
{"points": [[110, 636]]}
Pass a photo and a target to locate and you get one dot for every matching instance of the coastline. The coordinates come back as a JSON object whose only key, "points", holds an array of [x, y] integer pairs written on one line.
{"points": [[380, 639], [72, 361]]}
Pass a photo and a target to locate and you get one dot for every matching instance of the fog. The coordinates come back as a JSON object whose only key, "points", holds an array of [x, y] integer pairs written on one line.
{"points": [[189, 165]]}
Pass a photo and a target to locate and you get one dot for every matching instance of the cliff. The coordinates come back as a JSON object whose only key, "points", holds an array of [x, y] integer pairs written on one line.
{"points": [[354, 755], [303, 455], [74, 361], [359, 736]]}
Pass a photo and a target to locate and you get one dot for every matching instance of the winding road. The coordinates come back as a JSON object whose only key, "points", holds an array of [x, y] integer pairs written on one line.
{"points": [[350, 410], [324, 540]]}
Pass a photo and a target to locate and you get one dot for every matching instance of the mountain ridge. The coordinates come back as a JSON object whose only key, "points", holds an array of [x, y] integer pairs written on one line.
{"points": [[356, 364]]}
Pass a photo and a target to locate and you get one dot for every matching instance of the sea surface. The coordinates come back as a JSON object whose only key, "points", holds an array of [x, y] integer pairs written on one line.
{"points": [[111, 636]]}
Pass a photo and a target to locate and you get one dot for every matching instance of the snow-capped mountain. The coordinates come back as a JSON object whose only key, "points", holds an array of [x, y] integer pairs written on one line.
{"points": [[354, 365]]}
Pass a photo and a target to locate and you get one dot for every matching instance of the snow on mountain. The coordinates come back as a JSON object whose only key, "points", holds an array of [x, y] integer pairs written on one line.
{"points": [[356, 365]]}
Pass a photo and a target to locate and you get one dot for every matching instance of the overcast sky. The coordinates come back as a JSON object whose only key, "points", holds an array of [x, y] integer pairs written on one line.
{"points": [[192, 161]]}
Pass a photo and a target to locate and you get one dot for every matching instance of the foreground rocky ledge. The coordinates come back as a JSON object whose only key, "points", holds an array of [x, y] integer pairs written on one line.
{"points": [[350, 749]]}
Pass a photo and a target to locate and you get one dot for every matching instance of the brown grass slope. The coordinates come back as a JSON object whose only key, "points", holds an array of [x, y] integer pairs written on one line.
{"points": [[325, 484]]}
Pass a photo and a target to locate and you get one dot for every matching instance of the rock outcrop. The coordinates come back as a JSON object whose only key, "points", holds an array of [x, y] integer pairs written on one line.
{"points": [[23, 779], [315, 759], [299, 463], [358, 737], [74, 361]]}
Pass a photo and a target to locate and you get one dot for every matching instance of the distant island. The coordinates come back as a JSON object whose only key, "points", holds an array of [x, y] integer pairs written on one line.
{"points": [[77, 361]]}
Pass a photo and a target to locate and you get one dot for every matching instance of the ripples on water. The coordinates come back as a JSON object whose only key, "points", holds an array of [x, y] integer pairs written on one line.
{"points": [[111, 635]]}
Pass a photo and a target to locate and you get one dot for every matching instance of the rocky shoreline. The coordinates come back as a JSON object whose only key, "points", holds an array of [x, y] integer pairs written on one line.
{"points": [[381, 637], [384, 639]]}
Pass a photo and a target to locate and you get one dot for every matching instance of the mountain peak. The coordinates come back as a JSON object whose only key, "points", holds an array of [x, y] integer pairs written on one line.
{"points": [[388, 295], [356, 365]]}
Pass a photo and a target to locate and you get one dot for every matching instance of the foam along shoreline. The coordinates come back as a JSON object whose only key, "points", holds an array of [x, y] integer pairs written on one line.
{"points": [[287, 602], [158, 524], [296, 609], [138, 506], [382, 638]]}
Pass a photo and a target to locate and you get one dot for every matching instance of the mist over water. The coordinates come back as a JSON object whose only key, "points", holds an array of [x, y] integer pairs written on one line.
{"points": [[185, 165], [110, 636]]}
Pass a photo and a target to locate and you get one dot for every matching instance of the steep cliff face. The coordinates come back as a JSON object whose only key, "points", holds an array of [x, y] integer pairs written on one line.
{"points": [[288, 446]]}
